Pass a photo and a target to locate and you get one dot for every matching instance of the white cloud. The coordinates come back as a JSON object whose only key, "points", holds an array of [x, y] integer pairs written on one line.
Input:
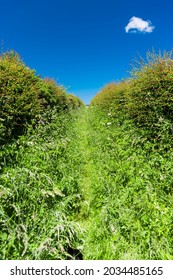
{"points": [[137, 24]]}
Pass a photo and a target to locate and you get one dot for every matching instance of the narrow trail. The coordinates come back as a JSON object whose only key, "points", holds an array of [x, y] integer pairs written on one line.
{"points": [[87, 170], [86, 149]]}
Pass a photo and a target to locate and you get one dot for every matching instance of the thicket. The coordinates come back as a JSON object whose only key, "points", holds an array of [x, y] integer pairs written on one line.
{"points": [[150, 95], [112, 98], [24, 96], [146, 97]]}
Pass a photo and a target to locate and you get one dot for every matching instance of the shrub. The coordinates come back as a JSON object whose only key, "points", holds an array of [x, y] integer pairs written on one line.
{"points": [[74, 102], [150, 96], [19, 89], [24, 97], [112, 98], [53, 95]]}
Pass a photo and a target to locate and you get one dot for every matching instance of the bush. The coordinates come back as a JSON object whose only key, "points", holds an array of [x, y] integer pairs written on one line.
{"points": [[19, 90], [53, 95], [112, 98], [74, 102], [25, 97], [150, 95]]}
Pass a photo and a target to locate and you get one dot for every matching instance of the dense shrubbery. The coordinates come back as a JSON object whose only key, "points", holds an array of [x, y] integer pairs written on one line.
{"points": [[19, 90], [25, 96], [74, 102], [112, 98], [146, 98], [53, 95], [150, 95]]}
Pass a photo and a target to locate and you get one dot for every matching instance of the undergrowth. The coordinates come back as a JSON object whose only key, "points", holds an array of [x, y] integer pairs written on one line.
{"points": [[132, 216], [84, 184], [39, 193]]}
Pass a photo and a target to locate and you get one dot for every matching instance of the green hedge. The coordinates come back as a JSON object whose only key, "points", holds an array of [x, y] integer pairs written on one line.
{"points": [[112, 98], [19, 90], [24, 97], [146, 97], [150, 95]]}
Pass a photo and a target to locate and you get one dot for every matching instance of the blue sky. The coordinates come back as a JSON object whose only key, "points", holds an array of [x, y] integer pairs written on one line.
{"points": [[83, 44]]}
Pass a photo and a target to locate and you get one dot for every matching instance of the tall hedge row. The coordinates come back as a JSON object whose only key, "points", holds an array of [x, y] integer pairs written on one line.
{"points": [[112, 98], [24, 96], [151, 93], [146, 98]]}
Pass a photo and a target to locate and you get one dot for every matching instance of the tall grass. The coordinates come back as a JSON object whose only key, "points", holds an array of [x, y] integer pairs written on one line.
{"points": [[132, 194], [39, 194]]}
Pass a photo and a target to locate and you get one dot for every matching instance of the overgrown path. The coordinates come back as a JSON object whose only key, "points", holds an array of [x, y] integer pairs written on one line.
{"points": [[87, 169], [92, 169], [120, 202], [83, 186]]}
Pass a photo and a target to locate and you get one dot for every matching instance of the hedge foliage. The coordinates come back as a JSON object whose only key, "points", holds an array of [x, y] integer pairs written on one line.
{"points": [[24, 96], [112, 98], [146, 98], [151, 93]]}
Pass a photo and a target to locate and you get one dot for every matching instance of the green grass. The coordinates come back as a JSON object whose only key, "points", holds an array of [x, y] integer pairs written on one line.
{"points": [[39, 194], [85, 182], [132, 199]]}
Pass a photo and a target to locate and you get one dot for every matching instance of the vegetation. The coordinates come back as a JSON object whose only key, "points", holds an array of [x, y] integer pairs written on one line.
{"points": [[38, 195], [24, 97], [112, 98], [91, 183], [146, 98], [131, 205], [150, 95], [134, 133]]}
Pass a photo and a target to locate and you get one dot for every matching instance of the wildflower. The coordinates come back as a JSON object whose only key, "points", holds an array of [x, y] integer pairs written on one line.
{"points": [[161, 119]]}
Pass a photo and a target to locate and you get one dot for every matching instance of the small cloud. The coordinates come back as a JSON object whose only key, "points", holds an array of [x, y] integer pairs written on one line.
{"points": [[138, 24]]}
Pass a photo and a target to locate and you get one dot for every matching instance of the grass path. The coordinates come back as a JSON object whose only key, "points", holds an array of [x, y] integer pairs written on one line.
{"points": [[91, 184], [87, 170], [94, 192]]}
